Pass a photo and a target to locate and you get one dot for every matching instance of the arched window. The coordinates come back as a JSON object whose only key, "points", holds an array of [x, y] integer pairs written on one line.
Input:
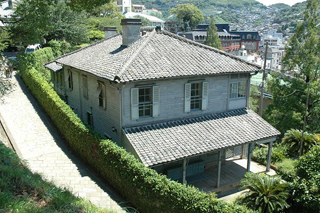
{"points": [[249, 36]]}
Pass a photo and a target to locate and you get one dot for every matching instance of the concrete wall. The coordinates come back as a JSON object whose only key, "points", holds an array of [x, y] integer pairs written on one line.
{"points": [[172, 99], [104, 120]]}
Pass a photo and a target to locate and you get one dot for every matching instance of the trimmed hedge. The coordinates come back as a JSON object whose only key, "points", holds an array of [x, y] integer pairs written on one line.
{"points": [[144, 187], [37, 60]]}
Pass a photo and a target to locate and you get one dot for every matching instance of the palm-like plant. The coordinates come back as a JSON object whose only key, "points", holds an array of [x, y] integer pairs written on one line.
{"points": [[293, 139], [266, 194]]}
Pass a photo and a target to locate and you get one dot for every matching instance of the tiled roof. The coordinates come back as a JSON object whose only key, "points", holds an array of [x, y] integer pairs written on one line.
{"points": [[178, 139], [54, 66], [154, 56]]}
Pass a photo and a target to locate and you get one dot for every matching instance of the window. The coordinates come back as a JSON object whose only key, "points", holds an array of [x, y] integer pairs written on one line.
{"points": [[196, 96], [249, 36], [90, 119], [238, 89], [70, 80], [145, 102], [101, 95], [85, 86]]}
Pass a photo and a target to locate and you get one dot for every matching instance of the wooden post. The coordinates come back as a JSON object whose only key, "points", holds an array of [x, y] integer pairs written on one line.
{"points": [[242, 152], [219, 169], [184, 171], [269, 156], [249, 156]]}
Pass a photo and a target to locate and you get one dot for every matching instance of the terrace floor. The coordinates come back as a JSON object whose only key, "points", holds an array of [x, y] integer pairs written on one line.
{"points": [[232, 171]]}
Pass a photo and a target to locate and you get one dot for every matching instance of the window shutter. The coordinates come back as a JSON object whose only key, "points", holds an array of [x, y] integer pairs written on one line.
{"points": [[204, 95], [99, 88], [134, 103], [155, 101], [66, 76], [187, 97]]}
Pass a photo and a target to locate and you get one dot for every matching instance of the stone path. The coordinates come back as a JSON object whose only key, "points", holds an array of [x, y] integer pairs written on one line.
{"points": [[38, 142]]}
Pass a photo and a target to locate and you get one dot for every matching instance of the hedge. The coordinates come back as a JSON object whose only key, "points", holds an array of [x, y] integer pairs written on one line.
{"points": [[37, 60], [147, 190]]}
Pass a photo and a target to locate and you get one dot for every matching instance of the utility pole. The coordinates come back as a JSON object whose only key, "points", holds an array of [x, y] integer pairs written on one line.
{"points": [[263, 80]]}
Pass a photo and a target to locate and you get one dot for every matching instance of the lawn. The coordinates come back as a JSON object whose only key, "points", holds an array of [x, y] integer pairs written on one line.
{"points": [[23, 191]]}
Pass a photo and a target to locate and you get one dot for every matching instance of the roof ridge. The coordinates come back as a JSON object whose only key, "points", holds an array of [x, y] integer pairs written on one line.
{"points": [[206, 47], [78, 50], [134, 55]]}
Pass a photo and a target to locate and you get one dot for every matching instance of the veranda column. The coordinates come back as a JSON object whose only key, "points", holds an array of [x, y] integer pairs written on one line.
{"points": [[219, 169], [184, 171], [269, 156], [250, 148]]}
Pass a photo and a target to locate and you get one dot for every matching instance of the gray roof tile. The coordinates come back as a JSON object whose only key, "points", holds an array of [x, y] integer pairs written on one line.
{"points": [[154, 56], [174, 140], [54, 66]]}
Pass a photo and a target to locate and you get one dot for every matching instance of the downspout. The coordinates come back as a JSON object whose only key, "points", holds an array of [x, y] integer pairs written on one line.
{"points": [[121, 116], [80, 96]]}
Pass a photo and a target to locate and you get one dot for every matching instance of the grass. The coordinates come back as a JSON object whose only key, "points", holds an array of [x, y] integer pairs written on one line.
{"points": [[23, 191]]}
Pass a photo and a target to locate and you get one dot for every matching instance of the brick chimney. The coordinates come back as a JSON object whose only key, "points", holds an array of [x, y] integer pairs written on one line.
{"points": [[130, 31], [109, 32]]}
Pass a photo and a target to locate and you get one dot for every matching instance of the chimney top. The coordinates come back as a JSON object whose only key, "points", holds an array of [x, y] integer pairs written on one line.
{"points": [[131, 21], [130, 31], [110, 29]]}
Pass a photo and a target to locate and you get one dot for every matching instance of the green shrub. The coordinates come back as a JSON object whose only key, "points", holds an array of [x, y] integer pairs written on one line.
{"points": [[37, 60], [143, 187], [279, 153], [305, 187], [286, 169], [96, 35], [292, 138]]}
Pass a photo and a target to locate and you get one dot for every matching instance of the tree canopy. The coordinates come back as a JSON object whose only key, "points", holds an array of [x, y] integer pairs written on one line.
{"points": [[213, 39], [301, 66], [188, 13], [89, 6], [34, 20]]}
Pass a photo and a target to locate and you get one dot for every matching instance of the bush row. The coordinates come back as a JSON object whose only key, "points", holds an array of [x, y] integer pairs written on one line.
{"points": [[143, 187], [36, 59]]}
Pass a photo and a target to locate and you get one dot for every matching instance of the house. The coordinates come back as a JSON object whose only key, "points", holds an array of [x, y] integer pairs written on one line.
{"points": [[175, 104], [231, 41], [155, 21]]}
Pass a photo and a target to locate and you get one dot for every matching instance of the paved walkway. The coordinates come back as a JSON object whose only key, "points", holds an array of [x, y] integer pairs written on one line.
{"points": [[38, 142]]}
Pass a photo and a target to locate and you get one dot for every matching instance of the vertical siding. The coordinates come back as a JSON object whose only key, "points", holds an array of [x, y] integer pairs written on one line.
{"points": [[172, 99], [104, 120]]}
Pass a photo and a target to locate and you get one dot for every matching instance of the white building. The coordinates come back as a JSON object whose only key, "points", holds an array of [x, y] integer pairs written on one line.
{"points": [[124, 5], [154, 20]]}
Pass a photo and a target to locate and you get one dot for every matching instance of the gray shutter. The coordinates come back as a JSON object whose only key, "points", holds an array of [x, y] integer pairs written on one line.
{"points": [[155, 101], [204, 96], [134, 103], [187, 97], [99, 88], [66, 75]]}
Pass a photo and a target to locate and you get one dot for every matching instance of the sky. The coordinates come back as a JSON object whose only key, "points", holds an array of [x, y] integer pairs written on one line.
{"points": [[289, 2]]}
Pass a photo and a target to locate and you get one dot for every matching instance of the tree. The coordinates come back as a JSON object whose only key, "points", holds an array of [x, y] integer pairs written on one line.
{"points": [[266, 194], [213, 39], [305, 188], [296, 97], [35, 20], [293, 139], [88, 6], [144, 21], [188, 13], [110, 10], [31, 21], [67, 24]]}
